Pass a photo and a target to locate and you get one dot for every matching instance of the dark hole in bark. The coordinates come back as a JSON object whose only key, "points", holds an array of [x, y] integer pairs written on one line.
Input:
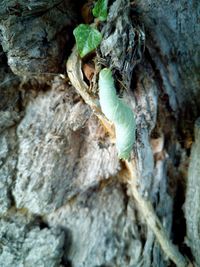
{"points": [[179, 223], [67, 244], [134, 79]]}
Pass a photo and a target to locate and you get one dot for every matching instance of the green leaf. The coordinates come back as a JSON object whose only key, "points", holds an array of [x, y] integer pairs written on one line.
{"points": [[100, 10], [87, 39]]}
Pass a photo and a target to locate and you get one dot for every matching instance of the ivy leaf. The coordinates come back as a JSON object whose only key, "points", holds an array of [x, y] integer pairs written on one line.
{"points": [[87, 39], [100, 10]]}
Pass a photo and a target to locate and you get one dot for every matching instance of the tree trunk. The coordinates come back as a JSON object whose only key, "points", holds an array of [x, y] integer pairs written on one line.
{"points": [[65, 199]]}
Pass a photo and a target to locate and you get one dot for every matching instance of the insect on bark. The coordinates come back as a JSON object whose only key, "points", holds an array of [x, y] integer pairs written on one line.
{"points": [[117, 112]]}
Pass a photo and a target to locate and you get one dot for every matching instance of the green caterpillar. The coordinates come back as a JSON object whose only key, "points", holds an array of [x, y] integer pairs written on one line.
{"points": [[117, 112]]}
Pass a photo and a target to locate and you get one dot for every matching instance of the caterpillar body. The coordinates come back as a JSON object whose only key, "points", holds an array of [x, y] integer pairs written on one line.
{"points": [[117, 112]]}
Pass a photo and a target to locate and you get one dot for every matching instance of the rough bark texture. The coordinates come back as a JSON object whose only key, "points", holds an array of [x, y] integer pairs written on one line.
{"points": [[34, 35], [63, 200], [24, 243], [193, 197], [173, 44], [58, 157]]}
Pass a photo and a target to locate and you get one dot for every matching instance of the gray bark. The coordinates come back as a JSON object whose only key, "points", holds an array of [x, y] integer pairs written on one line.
{"points": [[193, 198], [63, 196], [34, 34]]}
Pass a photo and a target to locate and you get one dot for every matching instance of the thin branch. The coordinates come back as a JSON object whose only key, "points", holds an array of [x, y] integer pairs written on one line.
{"points": [[76, 77]]}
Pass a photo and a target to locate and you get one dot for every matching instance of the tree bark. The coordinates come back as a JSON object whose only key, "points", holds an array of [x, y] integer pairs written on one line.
{"points": [[65, 199]]}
